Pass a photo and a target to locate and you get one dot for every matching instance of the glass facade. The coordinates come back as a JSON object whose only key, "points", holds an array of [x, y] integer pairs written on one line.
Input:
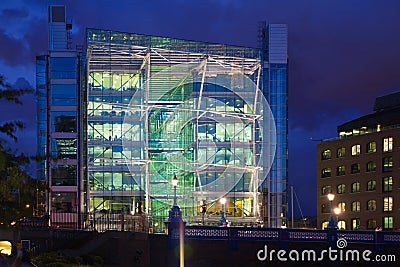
{"points": [[145, 108], [41, 117], [159, 107], [58, 80]]}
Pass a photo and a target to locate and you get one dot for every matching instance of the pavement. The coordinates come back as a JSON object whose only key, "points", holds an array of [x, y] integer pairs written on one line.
{"points": [[6, 261]]}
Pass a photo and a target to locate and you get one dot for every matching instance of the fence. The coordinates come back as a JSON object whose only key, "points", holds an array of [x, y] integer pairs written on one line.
{"points": [[293, 235], [100, 222]]}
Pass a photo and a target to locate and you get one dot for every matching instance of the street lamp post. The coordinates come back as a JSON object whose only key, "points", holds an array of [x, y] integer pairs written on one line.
{"points": [[331, 222], [176, 228], [337, 212], [222, 221], [175, 183]]}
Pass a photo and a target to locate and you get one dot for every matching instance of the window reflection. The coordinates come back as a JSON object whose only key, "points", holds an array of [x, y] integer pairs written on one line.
{"points": [[63, 202], [63, 148], [63, 67], [64, 175], [63, 94], [63, 122]]}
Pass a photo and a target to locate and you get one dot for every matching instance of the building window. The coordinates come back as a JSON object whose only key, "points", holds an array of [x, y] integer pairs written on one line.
{"points": [[326, 190], [342, 206], [63, 67], [63, 202], [371, 224], [325, 208], [387, 144], [371, 166], [64, 175], [387, 164], [341, 189], [355, 168], [355, 224], [356, 150], [387, 184], [63, 94], [371, 205], [341, 225], [326, 154], [63, 148], [371, 147], [387, 203], [355, 187], [326, 173], [371, 185], [388, 222], [355, 206], [341, 152], [341, 170], [63, 121]]}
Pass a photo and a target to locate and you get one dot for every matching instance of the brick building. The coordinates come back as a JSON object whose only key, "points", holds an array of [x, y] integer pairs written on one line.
{"points": [[361, 168]]}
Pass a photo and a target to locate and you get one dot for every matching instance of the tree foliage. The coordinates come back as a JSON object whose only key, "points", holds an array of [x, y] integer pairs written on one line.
{"points": [[17, 187]]}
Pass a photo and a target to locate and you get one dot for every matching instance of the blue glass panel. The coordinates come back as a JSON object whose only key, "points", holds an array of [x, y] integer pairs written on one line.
{"points": [[63, 94], [63, 68], [63, 121]]}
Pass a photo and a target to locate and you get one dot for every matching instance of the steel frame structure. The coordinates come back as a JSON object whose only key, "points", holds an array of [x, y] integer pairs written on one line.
{"points": [[120, 133]]}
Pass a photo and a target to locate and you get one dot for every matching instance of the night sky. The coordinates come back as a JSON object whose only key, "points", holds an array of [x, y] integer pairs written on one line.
{"points": [[342, 55]]}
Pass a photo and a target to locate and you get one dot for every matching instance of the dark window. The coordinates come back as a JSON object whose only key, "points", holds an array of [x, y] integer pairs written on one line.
{"points": [[371, 224], [371, 185], [64, 175], [371, 166], [63, 122], [355, 168], [325, 208], [387, 164], [341, 170], [63, 202]]}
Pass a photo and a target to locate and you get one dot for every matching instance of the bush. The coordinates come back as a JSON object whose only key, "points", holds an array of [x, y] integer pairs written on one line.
{"points": [[53, 259]]}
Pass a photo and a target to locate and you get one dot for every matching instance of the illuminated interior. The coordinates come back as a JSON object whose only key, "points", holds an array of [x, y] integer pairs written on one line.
{"points": [[159, 107], [5, 247]]}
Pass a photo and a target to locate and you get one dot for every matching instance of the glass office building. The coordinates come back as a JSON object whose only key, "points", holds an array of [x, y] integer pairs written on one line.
{"points": [[138, 110]]}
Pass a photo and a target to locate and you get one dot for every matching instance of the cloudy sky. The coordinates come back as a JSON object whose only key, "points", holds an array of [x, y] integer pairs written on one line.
{"points": [[342, 55]]}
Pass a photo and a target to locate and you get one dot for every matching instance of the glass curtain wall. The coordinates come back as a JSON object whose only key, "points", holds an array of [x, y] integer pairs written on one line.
{"points": [[62, 145], [273, 42], [159, 107]]}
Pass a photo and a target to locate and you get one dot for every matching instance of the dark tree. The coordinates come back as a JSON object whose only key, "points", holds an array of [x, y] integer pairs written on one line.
{"points": [[17, 188]]}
